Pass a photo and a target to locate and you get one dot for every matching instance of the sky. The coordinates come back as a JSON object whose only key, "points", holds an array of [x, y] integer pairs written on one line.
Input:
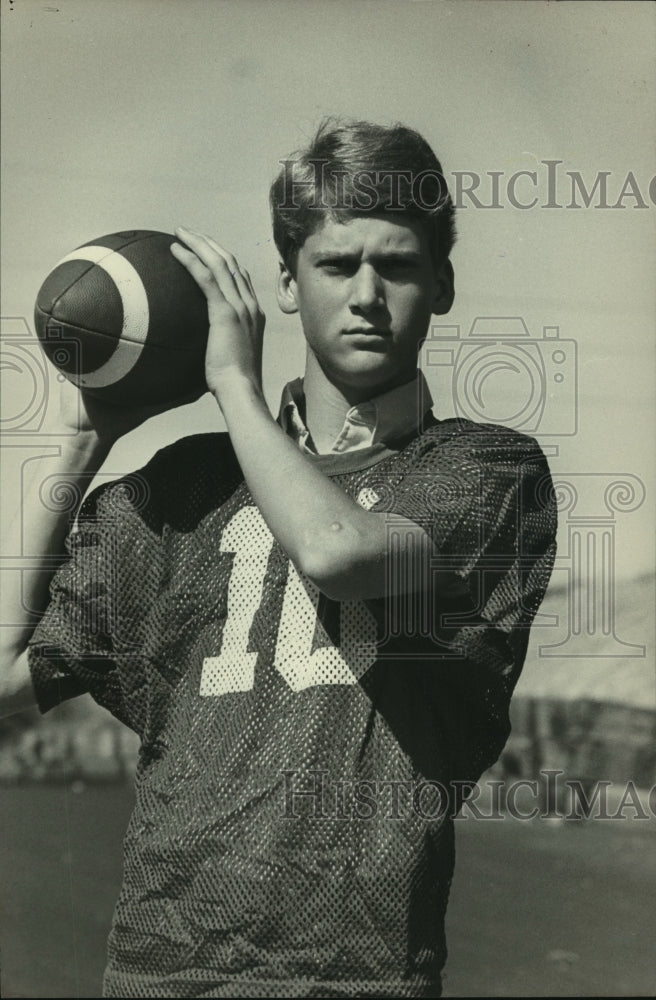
{"points": [[152, 113], [125, 114]]}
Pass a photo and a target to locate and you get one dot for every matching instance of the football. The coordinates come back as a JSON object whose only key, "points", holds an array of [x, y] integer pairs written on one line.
{"points": [[124, 320]]}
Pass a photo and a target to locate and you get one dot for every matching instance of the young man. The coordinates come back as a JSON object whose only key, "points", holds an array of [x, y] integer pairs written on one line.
{"points": [[314, 624]]}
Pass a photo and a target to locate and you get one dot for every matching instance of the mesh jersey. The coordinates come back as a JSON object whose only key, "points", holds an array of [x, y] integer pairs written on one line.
{"points": [[290, 836]]}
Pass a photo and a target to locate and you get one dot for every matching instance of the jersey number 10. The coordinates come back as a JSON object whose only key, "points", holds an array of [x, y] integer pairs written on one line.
{"points": [[247, 536]]}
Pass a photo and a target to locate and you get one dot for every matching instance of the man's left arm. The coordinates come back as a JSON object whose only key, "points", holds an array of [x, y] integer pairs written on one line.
{"points": [[339, 546]]}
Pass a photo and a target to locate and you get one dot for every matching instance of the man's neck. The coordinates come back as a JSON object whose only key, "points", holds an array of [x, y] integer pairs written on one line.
{"points": [[327, 404], [325, 407]]}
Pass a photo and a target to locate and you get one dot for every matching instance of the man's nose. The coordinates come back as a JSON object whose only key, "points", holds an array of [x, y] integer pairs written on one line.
{"points": [[366, 289]]}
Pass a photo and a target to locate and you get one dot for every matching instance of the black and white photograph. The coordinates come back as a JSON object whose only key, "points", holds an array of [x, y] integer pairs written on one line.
{"points": [[327, 444]]}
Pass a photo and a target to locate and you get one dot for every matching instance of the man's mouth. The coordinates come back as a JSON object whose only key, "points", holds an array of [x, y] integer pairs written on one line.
{"points": [[367, 331]]}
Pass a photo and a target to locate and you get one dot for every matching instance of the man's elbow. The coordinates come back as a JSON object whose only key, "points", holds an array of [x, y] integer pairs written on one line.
{"points": [[356, 562], [343, 575]]}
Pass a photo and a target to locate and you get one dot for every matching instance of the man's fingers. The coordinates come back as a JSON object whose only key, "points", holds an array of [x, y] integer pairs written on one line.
{"points": [[247, 278], [210, 252], [239, 274], [214, 272], [226, 270], [193, 263]]}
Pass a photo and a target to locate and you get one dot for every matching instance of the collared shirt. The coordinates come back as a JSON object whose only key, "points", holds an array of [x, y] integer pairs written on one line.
{"points": [[386, 417]]}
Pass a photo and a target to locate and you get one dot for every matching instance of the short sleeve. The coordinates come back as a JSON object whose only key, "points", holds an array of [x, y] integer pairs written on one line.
{"points": [[115, 627], [484, 495], [101, 598]]}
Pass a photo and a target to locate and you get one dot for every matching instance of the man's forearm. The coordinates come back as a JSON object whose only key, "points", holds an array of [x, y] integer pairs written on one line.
{"points": [[335, 542], [45, 530]]}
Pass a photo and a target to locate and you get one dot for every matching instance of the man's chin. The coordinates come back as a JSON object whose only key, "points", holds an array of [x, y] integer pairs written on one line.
{"points": [[375, 376]]}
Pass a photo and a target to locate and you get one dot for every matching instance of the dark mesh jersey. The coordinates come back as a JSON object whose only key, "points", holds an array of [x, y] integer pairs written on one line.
{"points": [[292, 834]]}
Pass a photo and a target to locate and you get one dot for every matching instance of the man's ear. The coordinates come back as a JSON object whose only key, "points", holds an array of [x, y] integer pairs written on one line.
{"points": [[286, 290], [445, 289]]}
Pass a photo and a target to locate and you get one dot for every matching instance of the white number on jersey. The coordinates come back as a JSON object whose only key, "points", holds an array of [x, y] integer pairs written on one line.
{"points": [[248, 537]]}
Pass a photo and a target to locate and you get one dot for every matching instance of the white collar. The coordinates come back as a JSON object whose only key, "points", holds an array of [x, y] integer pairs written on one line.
{"points": [[387, 417]]}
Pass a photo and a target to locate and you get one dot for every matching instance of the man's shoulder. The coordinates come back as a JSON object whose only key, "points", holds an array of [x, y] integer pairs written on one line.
{"points": [[180, 480], [457, 439], [196, 453]]}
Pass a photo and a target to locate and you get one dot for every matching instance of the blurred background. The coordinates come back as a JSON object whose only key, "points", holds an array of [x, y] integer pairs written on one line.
{"points": [[129, 114]]}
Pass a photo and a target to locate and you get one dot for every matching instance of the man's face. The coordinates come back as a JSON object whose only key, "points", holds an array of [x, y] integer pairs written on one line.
{"points": [[365, 290]]}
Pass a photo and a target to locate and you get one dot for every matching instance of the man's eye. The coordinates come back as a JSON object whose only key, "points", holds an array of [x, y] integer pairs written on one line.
{"points": [[337, 267]]}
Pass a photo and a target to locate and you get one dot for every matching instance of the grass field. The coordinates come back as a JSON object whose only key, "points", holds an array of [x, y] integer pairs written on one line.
{"points": [[537, 909]]}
